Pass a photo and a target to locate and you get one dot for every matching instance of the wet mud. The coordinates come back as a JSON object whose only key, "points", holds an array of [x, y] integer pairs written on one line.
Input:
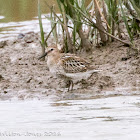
{"points": [[23, 75]]}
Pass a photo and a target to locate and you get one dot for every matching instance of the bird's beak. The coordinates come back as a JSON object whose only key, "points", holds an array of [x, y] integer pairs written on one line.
{"points": [[43, 55]]}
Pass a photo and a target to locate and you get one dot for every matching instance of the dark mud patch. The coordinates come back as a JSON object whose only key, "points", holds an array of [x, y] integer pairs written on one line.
{"points": [[23, 75]]}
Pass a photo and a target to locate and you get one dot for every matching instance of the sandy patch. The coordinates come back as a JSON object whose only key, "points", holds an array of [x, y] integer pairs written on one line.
{"points": [[21, 72]]}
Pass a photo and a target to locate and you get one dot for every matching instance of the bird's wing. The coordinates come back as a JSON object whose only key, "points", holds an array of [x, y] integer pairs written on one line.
{"points": [[74, 64]]}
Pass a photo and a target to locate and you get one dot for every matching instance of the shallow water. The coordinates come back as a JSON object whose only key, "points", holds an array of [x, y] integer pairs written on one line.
{"points": [[102, 119], [11, 30], [22, 10], [20, 16]]}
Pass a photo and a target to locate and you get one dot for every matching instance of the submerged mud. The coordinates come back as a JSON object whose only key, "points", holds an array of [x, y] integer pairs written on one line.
{"points": [[23, 75]]}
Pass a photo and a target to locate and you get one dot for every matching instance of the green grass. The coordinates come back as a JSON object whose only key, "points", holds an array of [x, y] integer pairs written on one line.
{"points": [[42, 42], [78, 13]]}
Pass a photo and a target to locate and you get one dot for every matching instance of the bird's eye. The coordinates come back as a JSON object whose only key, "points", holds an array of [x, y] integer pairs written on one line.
{"points": [[51, 49]]}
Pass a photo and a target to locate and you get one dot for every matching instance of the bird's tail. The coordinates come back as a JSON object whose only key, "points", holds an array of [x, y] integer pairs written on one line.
{"points": [[94, 71], [91, 72]]}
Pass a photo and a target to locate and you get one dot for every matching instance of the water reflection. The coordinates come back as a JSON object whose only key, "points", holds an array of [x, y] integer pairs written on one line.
{"points": [[102, 119], [20, 16], [21, 10]]}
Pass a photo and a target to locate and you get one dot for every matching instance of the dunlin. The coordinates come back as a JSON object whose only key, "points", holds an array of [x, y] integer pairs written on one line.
{"points": [[68, 66]]}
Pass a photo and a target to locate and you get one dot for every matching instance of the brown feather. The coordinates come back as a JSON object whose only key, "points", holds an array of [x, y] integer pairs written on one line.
{"points": [[74, 64]]}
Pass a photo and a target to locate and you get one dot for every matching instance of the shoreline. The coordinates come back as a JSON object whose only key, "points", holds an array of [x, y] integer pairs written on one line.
{"points": [[23, 74]]}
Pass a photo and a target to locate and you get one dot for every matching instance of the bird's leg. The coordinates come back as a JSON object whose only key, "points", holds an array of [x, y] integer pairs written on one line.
{"points": [[70, 85]]}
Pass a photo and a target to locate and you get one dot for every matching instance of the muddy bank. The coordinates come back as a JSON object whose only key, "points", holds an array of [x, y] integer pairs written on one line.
{"points": [[22, 74]]}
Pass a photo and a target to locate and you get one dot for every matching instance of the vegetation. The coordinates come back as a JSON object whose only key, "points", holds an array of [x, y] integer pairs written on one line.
{"points": [[42, 42], [97, 22]]}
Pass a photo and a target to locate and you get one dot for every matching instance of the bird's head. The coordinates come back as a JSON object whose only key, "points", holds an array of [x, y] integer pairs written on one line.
{"points": [[51, 50]]}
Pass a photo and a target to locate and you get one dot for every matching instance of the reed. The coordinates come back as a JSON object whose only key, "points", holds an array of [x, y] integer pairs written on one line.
{"points": [[98, 22], [42, 42]]}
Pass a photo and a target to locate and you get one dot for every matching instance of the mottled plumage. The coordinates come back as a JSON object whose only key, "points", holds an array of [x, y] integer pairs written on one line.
{"points": [[74, 64], [67, 66]]}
